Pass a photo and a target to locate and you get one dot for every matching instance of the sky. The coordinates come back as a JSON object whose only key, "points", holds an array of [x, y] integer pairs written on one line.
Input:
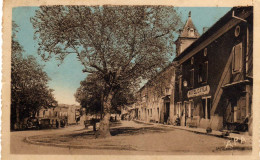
{"points": [[66, 77]]}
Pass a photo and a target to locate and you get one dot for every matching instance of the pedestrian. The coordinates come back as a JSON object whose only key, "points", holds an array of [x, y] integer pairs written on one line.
{"points": [[57, 123], [178, 121], [52, 123]]}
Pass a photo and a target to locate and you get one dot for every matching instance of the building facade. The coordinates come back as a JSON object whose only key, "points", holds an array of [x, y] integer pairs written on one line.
{"points": [[214, 77], [62, 111], [155, 100]]}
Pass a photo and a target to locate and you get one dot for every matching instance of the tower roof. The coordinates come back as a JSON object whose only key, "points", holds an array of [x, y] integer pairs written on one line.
{"points": [[186, 29]]}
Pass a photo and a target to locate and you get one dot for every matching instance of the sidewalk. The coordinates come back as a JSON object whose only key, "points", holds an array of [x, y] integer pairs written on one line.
{"points": [[237, 138]]}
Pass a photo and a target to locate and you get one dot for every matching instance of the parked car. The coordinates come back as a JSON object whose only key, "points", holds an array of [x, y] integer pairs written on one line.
{"points": [[32, 123], [44, 123]]}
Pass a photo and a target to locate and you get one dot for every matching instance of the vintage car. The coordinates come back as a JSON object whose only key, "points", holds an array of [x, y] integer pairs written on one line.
{"points": [[45, 123], [32, 123]]}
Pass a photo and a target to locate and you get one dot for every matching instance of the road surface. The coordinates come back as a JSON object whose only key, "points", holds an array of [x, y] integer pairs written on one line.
{"points": [[142, 138]]}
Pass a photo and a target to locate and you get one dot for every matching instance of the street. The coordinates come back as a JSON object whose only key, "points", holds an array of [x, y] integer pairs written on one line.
{"points": [[128, 137]]}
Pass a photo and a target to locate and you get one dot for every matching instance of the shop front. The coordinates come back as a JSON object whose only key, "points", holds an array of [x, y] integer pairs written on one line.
{"points": [[197, 108]]}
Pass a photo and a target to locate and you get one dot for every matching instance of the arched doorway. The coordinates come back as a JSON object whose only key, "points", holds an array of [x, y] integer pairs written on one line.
{"points": [[166, 109]]}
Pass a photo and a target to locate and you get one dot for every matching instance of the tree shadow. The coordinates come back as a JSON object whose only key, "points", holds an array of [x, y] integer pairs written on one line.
{"points": [[136, 131]]}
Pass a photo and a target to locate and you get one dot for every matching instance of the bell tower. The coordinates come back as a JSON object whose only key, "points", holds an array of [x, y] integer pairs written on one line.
{"points": [[187, 36]]}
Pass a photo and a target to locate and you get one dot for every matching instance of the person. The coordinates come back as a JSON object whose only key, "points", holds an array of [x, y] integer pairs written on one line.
{"points": [[52, 123], [177, 121], [57, 123], [77, 120]]}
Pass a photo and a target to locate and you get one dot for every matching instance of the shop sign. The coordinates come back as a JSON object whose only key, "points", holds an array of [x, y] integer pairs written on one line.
{"points": [[198, 91]]}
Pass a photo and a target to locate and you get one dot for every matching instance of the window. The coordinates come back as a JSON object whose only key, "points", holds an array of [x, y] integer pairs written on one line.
{"points": [[167, 91], [151, 113], [205, 52], [178, 109], [180, 68], [206, 104], [191, 32], [203, 72], [191, 109], [180, 86], [192, 78], [237, 58]]}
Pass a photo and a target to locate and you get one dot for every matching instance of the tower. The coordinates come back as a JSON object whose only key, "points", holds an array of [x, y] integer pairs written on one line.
{"points": [[187, 36]]}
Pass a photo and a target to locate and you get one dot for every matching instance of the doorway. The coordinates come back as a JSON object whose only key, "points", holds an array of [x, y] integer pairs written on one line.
{"points": [[167, 111], [206, 105]]}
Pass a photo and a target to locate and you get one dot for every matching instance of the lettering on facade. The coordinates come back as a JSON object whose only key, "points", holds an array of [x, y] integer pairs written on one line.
{"points": [[198, 91]]}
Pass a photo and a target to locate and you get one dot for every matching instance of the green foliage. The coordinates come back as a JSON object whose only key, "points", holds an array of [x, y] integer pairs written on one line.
{"points": [[29, 89], [91, 92], [124, 43]]}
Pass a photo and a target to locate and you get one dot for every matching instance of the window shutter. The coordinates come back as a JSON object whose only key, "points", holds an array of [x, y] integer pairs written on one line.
{"points": [[180, 86], [205, 72], [200, 79], [237, 61], [192, 77]]}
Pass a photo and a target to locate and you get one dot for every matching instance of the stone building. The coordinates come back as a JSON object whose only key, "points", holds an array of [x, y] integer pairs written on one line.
{"points": [[210, 82], [156, 98], [62, 111], [215, 75]]}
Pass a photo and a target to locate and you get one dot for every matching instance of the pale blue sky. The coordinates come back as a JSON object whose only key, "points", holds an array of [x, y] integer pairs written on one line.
{"points": [[67, 76]]}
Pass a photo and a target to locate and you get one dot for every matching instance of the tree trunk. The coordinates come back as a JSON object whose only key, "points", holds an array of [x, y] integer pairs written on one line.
{"points": [[103, 130]]}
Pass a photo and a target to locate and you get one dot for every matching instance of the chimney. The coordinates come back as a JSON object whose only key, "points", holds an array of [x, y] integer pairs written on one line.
{"points": [[205, 29]]}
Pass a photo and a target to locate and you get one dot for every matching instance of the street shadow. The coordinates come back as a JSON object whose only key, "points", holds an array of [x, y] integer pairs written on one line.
{"points": [[136, 131], [122, 131], [115, 124], [146, 124], [87, 135]]}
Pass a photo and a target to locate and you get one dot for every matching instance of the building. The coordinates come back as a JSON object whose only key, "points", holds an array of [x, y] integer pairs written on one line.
{"points": [[62, 111], [214, 77], [187, 36], [155, 100], [156, 97]]}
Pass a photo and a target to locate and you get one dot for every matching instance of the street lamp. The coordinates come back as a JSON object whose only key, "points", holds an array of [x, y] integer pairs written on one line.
{"points": [[185, 84]]}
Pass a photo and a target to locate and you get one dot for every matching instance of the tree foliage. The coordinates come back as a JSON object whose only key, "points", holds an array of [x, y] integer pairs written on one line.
{"points": [[129, 41], [29, 89], [91, 91]]}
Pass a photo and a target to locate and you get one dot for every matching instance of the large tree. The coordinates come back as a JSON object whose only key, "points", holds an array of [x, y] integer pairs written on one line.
{"points": [[123, 43], [29, 89]]}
